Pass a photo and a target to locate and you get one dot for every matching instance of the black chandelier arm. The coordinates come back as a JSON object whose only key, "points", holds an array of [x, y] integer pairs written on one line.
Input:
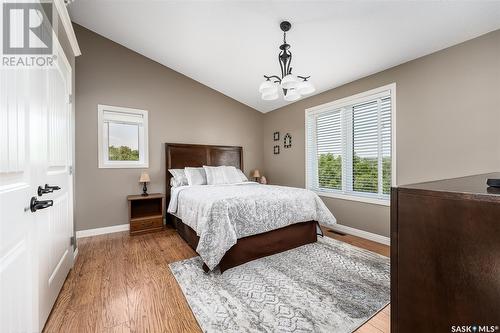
{"points": [[305, 78], [268, 77], [282, 64], [289, 71]]}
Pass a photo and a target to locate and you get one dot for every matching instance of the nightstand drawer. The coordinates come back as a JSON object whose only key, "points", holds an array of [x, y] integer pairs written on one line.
{"points": [[146, 224]]}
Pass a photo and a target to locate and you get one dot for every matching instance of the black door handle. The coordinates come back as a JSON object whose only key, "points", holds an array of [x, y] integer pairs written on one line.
{"points": [[42, 204], [52, 188], [41, 191]]}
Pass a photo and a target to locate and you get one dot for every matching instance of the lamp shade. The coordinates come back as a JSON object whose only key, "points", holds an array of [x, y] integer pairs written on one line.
{"points": [[255, 173], [291, 95], [268, 87], [144, 178], [305, 88], [290, 81], [270, 96]]}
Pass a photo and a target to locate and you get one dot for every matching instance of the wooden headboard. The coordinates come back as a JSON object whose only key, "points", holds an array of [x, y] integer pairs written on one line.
{"points": [[181, 155]]}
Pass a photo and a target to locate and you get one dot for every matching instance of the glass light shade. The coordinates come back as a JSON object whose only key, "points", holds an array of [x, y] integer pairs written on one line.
{"points": [[292, 95], [305, 88], [289, 82], [270, 96], [267, 87]]}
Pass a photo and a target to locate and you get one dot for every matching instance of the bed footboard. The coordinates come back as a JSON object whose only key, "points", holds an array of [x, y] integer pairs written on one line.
{"points": [[256, 246]]}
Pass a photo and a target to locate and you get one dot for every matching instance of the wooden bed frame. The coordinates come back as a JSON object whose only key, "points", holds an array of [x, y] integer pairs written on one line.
{"points": [[178, 156]]}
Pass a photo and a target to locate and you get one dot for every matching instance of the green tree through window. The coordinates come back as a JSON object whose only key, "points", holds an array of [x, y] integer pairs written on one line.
{"points": [[365, 173], [330, 171], [123, 153]]}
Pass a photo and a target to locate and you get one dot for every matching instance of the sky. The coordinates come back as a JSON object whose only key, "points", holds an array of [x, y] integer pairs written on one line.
{"points": [[123, 135]]}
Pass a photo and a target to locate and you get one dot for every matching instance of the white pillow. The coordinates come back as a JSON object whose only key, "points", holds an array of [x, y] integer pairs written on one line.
{"points": [[215, 175], [243, 178], [232, 175], [196, 176], [223, 175], [179, 177], [176, 183]]}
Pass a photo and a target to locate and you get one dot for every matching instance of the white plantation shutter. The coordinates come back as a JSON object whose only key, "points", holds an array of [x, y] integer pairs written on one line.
{"points": [[349, 147], [329, 142], [386, 143], [365, 146]]}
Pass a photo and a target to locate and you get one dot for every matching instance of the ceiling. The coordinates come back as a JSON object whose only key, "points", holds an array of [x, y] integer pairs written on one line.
{"points": [[229, 45]]}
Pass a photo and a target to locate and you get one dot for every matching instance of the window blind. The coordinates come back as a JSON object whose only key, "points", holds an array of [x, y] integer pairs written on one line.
{"points": [[123, 117], [349, 147]]}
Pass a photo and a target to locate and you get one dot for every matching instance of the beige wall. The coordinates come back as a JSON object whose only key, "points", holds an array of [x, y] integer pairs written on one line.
{"points": [[448, 115], [180, 110]]}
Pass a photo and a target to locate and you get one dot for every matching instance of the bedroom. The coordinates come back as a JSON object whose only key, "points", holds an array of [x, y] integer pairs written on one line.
{"points": [[311, 237]]}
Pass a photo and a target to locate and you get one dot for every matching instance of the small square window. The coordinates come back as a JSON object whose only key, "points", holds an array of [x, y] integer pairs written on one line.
{"points": [[122, 137]]}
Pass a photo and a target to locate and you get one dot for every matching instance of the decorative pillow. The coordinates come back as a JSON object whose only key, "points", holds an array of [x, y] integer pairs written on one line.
{"points": [[176, 183], [243, 178], [232, 175], [179, 176], [215, 175], [196, 176]]}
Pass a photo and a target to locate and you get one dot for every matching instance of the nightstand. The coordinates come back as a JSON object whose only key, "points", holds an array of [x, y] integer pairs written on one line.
{"points": [[146, 213]]}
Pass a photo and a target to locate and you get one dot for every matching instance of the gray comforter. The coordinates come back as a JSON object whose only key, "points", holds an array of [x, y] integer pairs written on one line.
{"points": [[221, 214]]}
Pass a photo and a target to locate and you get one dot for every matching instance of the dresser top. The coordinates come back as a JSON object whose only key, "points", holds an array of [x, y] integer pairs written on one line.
{"points": [[469, 185]]}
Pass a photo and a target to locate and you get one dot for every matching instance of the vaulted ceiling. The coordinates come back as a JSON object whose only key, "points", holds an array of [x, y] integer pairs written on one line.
{"points": [[229, 45]]}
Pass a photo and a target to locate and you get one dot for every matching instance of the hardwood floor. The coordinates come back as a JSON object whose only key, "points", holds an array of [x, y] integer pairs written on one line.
{"points": [[120, 284]]}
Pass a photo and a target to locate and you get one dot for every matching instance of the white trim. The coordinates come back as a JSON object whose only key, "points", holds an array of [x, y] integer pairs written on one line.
{"points": [[102, 231], [354, 99], [361, 233], [102, 145], [75, 254], [360, 198], [68, 27]]}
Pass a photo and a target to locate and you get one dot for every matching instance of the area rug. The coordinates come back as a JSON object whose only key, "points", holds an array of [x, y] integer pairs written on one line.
{"points": [[328, 286]]}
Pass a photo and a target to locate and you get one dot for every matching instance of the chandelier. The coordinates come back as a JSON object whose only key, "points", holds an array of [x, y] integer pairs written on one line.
{"points": [[293, 86]]}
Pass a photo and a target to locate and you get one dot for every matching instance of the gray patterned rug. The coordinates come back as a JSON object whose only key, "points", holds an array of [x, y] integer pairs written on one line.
{"points": [[328, 286]]}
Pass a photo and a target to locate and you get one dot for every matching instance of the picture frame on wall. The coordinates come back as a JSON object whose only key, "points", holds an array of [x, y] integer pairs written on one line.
{"points": [[287, 141], [276, 136], [276, 150]]}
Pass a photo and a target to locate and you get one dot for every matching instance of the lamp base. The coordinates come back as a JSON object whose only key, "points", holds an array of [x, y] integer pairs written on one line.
{"points": [[144, 190]]}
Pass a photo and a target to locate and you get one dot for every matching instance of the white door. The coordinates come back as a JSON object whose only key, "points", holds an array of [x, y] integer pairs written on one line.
{"points": [[35, 149], [55, 225], [19, 105]]}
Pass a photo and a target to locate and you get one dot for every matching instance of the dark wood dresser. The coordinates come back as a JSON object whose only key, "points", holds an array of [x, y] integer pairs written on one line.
{"points": [[445, 256]]}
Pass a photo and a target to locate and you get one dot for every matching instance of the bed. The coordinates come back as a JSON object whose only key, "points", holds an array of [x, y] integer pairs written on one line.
{"points": [[223, 243]]}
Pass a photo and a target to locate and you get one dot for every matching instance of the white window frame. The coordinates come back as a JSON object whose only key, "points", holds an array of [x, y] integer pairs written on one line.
{"points": [[102, 138], [349, 101]]}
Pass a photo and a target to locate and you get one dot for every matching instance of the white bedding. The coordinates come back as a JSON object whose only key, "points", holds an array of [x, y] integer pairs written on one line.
{"points": [[221, 214]]}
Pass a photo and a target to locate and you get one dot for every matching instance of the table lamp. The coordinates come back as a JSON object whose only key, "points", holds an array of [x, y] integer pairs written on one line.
{"points": [[256, 174], [144, 179]]}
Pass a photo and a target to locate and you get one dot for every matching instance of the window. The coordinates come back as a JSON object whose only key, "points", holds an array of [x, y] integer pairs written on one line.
{"points": [[349, 149], [122, 137]]}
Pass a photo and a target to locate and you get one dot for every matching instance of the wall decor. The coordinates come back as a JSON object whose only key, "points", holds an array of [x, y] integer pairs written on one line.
{"points": [[276, 150], [287, 140], [276, 136]]}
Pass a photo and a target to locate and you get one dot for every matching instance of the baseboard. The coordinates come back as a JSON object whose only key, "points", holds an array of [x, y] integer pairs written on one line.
{"points": [[361, 233], [75, 254], [102, 231]]}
